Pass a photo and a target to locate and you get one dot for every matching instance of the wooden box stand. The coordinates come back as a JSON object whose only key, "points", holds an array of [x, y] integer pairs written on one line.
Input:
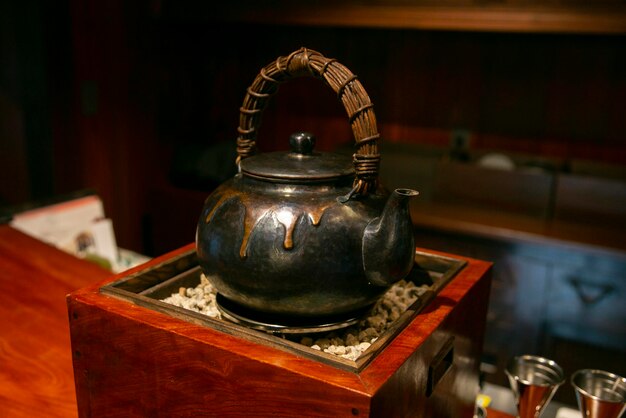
{"points": [[134, 356]]}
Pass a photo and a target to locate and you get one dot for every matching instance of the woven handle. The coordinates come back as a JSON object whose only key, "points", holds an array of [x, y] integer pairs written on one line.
{"points": [[305, 62]]}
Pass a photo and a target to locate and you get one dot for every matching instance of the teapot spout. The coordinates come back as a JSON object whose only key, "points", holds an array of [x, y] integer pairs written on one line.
{"points": [[388, 243]]}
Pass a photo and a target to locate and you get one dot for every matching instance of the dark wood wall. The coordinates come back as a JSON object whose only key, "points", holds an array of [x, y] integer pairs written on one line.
{"points": [[130, 87]]}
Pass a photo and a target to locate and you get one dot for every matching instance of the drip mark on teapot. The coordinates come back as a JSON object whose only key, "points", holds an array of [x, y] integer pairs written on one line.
{"points": [[288, 220], [315, 215], [252, 215], [222, 199], [255, 211]]}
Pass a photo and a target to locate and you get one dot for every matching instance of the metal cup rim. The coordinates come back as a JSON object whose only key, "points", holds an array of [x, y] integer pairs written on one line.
{"points": [[609, 375], [551, 363]]}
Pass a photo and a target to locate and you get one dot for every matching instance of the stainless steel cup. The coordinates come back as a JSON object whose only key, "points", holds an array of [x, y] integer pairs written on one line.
{"points": [[534, 380], [599, 394]]}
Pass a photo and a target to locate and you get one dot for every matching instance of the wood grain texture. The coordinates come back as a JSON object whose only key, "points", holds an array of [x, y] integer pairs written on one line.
{"points": [[133, 361], [36, 377], [455, 315], [510, 17], [492, 413]]}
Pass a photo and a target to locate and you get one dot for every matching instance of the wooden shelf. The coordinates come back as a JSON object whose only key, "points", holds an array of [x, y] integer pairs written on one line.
{"points": [[606, 18], [511, 227]]}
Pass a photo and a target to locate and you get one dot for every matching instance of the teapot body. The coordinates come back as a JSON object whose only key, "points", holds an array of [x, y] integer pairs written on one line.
{"points": [[288, 250], [305, 234]]}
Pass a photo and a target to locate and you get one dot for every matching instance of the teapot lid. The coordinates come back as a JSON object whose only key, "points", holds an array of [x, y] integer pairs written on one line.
{"points": [[302, 164]]}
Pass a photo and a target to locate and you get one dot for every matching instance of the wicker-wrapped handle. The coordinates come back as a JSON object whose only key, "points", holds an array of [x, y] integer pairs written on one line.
{"points": [[306, 62]]}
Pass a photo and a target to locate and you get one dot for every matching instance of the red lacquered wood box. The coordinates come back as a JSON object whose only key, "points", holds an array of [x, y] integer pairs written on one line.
{"points": [[137, 356]]}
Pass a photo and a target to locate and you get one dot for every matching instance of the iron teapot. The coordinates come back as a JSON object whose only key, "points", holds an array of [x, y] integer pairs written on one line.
{"points": [[304, 234]]}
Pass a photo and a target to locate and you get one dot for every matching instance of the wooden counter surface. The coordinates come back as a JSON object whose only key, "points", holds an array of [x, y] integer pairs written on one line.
{"points": [[36, 375], [492, 413]]}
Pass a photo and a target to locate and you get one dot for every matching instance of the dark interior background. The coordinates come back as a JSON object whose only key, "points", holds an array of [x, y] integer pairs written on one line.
{"points": [[126, 97]]}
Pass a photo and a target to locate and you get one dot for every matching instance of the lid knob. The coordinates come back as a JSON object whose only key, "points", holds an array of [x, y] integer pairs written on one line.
{"points": [[302, 143]]}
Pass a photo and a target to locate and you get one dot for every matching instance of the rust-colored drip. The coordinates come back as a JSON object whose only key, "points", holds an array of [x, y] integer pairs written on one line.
{"points": [[251, 216], [315, 215], [255, 211], [288, 220], [285, 216], [222, 199]]}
